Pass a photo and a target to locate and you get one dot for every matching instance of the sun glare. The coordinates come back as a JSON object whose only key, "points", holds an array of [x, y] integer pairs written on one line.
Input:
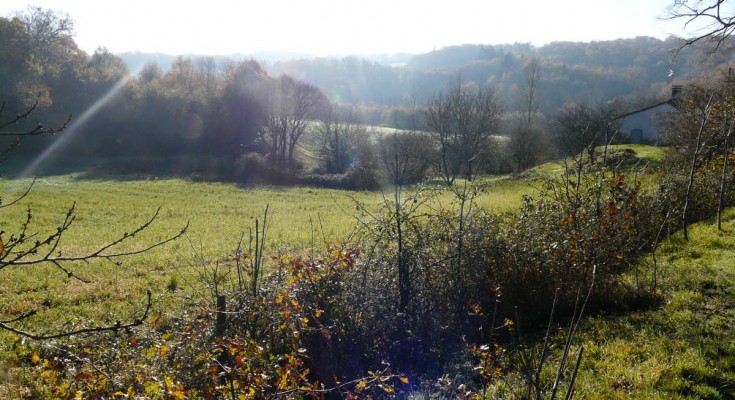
{"points": [[74, 128]]}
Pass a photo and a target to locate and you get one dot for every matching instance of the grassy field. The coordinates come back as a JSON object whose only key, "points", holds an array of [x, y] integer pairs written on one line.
{"points": [[682, 347], [218, 215]]}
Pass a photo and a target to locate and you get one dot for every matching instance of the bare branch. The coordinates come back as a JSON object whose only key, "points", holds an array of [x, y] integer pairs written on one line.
{"points": [[118, 326], [717, 19], [38, 130], [26, 249], [52, 256], [19, 198]]}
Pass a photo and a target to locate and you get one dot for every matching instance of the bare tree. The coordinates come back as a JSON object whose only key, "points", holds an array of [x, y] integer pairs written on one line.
{"points": [[292, 106], [717, 19], [209, 72], [405, 157], [532, 75], [579, 129], [337, 139], [528, 145], [24, 248], [49, 31], [699, 144], [701, 132], [461, 122]]}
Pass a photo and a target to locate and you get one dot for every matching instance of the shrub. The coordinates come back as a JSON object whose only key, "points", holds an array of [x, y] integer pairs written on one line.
{"points": [[363, 176], [329, 181], [256, 168], [249, 166]]}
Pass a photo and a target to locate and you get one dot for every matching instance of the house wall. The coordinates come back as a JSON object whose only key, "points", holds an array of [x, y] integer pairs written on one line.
{"points": [[645, 121]]}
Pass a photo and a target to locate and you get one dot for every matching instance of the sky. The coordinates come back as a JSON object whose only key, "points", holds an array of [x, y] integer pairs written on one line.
{"points": [[347, 27]]}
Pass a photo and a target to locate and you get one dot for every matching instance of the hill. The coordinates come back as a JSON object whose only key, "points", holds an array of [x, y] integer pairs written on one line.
{"points": [[571, 72]]}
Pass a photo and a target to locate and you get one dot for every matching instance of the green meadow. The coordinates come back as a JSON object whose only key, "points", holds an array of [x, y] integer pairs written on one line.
{"points": [[219, 216], [681, 346]]}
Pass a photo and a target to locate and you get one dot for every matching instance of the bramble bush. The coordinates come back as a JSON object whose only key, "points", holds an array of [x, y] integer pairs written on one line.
{"points": [[264, 350]]}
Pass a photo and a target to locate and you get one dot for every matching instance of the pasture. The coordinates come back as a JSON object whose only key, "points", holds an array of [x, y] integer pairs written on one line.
{"points": [[678, 346], [301, 220]]}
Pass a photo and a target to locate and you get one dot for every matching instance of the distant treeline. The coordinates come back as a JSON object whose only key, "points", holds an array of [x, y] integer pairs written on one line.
{"points": [[571, 72], [222, 109]]}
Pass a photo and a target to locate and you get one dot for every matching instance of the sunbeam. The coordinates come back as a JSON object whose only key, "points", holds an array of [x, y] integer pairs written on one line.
{"points": [[74, 127]]}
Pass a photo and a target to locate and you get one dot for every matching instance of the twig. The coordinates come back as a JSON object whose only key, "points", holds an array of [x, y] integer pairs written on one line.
{"points": [[114, 328]]}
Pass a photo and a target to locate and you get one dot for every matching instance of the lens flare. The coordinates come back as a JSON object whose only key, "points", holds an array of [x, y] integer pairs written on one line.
{"points": [[75, 126]]}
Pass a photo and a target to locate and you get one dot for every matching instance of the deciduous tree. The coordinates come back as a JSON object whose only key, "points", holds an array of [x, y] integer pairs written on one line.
{"points": [[461, 121], [578, 129], [713, 22], [528, 145], [337, 137], [291, 106]]}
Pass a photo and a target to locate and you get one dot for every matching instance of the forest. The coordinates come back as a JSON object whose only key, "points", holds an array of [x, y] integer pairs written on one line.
{"points": [[467, 223]]}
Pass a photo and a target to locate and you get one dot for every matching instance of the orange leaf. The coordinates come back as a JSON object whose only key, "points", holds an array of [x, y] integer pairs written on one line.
{"points": [[403, 379], [35, 358]]}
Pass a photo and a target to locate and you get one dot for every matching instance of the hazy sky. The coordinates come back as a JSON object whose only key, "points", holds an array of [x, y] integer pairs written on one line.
{"points": [[341, 27]]}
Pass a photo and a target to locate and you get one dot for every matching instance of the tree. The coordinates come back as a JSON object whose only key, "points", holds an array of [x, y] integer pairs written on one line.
{"points": [[50, 32], [209, 73], [291, 106], [405, 157], [237, 117], [716, 16], [16, 43], [24, 249], [53, 57], [578, 129], [150, 72], [532, 71], [338, 137], [700, 130], [461, 122], [528, 145]]}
